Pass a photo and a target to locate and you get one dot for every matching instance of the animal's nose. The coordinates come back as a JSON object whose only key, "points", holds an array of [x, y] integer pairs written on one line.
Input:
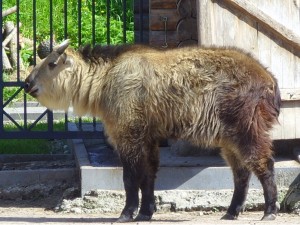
{"points": [[26, 87]]}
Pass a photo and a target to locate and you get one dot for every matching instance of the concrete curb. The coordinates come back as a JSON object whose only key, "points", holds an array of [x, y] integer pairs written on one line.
{"points": [[180, 180]]}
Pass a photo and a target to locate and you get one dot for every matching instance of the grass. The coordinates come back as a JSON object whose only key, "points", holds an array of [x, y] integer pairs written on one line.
{"points": [[31, 146], [42, 14]]}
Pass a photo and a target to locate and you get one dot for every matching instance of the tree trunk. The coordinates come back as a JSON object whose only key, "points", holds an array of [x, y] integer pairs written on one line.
{"points": [[5, 60], [10, 29]]}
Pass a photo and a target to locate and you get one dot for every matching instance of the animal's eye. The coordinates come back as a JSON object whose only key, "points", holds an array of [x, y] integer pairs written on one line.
{"points": [[52, 65]]}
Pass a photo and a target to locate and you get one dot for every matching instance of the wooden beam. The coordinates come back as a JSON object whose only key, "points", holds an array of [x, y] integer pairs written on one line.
{"points": [[275, 27], [290, 94]]}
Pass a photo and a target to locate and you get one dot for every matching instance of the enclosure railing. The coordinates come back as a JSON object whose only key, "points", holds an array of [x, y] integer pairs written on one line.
{"points": [[83, 21]]}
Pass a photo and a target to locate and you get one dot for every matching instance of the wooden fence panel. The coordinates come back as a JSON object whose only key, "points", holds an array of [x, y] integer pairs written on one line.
{"points": [[269, 30]]}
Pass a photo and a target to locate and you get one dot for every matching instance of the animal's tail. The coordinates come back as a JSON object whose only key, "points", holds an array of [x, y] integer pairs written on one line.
{"points": [[274, 100], [268, 107]]}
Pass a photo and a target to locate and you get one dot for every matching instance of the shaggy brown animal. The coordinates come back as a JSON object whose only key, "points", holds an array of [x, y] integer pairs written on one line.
{"points": [[208, 96]]}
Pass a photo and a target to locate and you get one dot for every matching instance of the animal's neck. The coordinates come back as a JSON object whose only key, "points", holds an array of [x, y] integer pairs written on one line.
{"points": [[87, 87]]}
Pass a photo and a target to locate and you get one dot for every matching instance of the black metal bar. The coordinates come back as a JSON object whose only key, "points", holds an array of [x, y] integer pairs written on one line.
{"points": [[34, 30], [141, 21], [18, 39], [1, 77], [12, 97], [66, 19], [51, 23], [28, 131], [124, 20], [50, 113], [13, 83], [108, 5], [51, 135], [25, 111], [66, 122], [12, 120], [37, 120], [79, 22], [93, 22]]}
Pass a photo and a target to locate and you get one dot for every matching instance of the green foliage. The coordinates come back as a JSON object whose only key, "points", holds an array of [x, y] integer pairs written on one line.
{"points": [[101, 10], [28, 146]]}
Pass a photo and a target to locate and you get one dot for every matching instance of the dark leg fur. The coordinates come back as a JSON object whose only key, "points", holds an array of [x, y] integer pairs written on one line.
{"points": [[262, 165], [131, 183], [241, 176], [139, 173], [147, 186], [269, 188]]}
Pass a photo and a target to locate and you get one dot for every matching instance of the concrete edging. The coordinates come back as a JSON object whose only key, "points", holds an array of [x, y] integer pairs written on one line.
{"points": [[179, 185]]}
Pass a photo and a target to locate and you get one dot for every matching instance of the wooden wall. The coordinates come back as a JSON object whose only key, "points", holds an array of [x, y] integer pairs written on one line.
{"points": [[180, 27], [270, 30]]}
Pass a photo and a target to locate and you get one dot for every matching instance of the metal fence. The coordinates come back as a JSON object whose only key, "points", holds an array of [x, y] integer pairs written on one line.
{"points": [[71, 23]]}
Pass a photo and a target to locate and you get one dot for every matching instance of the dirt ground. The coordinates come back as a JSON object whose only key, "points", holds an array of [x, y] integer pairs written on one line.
{"points": [[41, 211]]}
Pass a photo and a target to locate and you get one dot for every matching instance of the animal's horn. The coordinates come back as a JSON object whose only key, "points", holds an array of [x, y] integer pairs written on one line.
{"points": [[44, 48], [62, 46]]}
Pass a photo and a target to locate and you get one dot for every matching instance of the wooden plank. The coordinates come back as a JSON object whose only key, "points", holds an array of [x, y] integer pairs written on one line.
{"points": [[288, 68], [165, 4], [188, 43], [205, 29], [263, 40], [217, 16], [156, 19], [187, 8], [297, 119], [231, 28], [290, 94], [187, 29], [275, 27], [276, 132], [157, 38], [297, 71], [288, 124]]}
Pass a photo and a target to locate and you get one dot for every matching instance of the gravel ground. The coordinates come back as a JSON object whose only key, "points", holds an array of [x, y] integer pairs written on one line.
{"points": [[34, 215], [40, 210]]}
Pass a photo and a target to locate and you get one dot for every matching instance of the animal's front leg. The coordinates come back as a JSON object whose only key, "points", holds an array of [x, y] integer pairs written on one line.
{"points": [[151, 159], [131, 178], [241, 183]]}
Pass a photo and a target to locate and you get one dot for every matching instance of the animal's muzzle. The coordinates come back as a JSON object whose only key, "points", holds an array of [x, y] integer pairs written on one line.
{"points": [[27, 87], [30, 88]]}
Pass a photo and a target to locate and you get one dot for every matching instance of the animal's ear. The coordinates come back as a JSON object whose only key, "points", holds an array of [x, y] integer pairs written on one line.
{"points": [[62, 46], [67, 60]]}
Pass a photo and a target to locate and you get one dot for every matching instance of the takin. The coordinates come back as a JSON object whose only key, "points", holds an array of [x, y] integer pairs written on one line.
{"points": [[211, 97]]}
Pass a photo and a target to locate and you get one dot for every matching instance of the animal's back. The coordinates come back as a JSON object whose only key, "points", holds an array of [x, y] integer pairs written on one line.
{"points": [[190, 93]]}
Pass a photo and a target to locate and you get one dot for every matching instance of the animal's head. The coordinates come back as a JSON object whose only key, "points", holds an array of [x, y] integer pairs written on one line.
{"points": [[44, 81]]}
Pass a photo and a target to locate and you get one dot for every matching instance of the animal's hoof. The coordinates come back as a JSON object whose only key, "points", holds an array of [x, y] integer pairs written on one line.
{"points": [[141, 217], [269, 217], [228, 216], [124, 219]]}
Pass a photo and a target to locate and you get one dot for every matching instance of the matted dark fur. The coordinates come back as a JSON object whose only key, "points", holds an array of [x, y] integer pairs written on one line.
{"points": [[209, 96]]}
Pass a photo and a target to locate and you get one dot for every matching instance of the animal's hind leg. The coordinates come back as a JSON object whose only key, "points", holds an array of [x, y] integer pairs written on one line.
{"points": [[241, 176], [258, 157], [147, 184], [264, 170]]}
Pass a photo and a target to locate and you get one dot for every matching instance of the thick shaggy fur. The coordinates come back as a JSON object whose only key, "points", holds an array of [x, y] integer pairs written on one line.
{"points": [[208, 96]]}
